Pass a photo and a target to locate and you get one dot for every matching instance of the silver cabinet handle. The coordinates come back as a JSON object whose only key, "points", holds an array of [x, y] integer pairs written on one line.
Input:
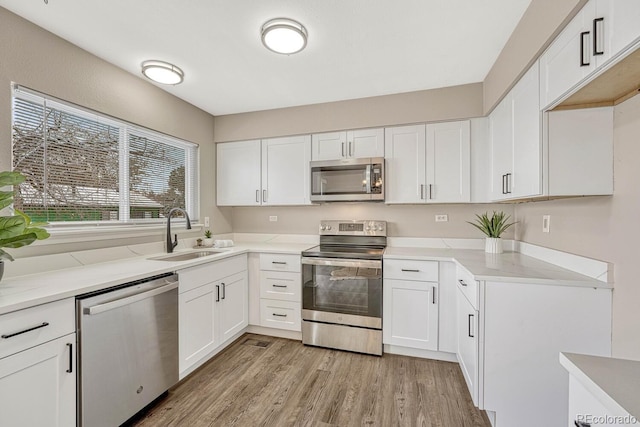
{"points": [[264, 196], [406, 270], [421, 191], [350, 149], [257, 196], [279, 286], [462, 282], [343, 149], [508, 183], [24, 331], [279, 315], [100, 308], [279, 262], [430, 192], [433, 298], [224, 291]]}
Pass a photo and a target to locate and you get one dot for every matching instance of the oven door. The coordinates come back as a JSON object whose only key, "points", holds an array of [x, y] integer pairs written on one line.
{"points": [[342, 291]]}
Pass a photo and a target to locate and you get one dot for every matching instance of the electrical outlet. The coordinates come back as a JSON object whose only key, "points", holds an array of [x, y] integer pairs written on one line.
{"points": [[206, 221], [546, 223], [442, 218], [273, 218]]}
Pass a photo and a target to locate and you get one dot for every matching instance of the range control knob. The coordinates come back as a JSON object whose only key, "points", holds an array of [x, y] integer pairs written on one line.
{"points": [[323, 227], [328, 227], [380, 227]]}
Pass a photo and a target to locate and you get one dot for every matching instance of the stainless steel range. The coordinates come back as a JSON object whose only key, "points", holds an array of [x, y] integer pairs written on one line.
{"points": [[342, 287]]}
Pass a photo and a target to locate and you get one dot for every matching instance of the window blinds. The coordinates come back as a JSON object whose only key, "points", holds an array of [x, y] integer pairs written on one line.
{"points": [[81, 166]]}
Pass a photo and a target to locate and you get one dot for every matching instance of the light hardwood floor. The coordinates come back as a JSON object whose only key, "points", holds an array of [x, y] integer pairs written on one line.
{"points": [[289, 384]]}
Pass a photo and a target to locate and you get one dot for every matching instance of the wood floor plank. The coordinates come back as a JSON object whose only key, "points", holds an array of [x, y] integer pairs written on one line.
{"points": [[289, 384]]}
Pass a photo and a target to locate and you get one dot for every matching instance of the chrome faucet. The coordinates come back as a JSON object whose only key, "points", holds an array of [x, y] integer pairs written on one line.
{"points": [[170, 244]]}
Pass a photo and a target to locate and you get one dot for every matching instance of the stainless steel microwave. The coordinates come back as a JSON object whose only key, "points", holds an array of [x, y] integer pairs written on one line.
{"points": [[348, 180]]}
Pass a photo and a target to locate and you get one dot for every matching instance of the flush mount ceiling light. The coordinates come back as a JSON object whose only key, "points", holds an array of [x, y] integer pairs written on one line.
{"points": [[162, 72], [284, 35]]}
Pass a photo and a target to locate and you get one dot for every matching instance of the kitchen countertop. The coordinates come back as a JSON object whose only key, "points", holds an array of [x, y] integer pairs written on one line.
{"points": [[614, 382], [21, 292], [506, 267], [88, 271]]}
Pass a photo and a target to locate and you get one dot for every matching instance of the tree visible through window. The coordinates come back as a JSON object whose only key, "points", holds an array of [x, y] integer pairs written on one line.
{"points": [[84, 167]]}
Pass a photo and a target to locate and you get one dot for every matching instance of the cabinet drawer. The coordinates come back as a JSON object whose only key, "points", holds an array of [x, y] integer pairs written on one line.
{"points": [[410, 270], [468, 286], [281, 285], [47, 322], [191, 278], [280, 314], [280, 262]]}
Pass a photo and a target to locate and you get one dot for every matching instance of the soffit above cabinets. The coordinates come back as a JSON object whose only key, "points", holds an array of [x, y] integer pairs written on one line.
{"points": [[356, 48], [615, 85]]}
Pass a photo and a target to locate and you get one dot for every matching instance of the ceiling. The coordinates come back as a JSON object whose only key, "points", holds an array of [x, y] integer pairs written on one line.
{"points": [[356, 48]]}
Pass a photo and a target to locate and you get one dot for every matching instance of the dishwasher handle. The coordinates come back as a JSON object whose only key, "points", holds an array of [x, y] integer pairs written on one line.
{"points": [[101, 308]]}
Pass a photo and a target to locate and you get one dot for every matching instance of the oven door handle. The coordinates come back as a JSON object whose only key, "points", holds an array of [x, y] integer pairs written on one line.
{"points": [[340, 262]]}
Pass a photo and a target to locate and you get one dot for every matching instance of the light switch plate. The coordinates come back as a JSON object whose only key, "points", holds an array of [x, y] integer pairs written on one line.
{"points": [[442, 218], [273, 218], [206, 221], [546, 223]]}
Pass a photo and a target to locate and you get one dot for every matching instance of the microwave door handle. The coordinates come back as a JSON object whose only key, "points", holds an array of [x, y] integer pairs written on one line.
{"points": [[368, 178]]}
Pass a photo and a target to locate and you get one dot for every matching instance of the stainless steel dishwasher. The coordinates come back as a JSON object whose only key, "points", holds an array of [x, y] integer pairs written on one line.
{"points": [[128, 349]]}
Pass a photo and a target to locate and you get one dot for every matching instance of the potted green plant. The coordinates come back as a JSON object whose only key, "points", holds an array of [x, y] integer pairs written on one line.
{"points": [[207, 241], [15, 230], [493, 227]]}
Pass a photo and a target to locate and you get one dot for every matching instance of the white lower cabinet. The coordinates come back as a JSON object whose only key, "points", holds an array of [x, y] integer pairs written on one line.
{"points": [[468, 342], [213, 307], [38, 366], [410, 304], [410, 314], [280, 291]]}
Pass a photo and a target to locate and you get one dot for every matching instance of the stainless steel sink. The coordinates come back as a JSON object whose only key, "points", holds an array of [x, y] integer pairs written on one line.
{"points": [[187, 256]]}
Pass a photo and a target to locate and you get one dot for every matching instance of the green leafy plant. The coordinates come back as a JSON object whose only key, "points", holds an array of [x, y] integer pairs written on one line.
{"points": [[16, 230], [494, 226], [207, 234]]}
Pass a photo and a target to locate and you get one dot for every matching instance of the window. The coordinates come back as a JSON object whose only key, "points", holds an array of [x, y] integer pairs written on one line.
{"points": [[81, 166]]}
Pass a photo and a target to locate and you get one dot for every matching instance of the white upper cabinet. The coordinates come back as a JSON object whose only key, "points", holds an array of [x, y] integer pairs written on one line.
{"points": [[269, 172], [238, 173], [348, 144], [428, 164], [405, 152], [516, 145], [448, 162], [285, 170], [602, 30]]}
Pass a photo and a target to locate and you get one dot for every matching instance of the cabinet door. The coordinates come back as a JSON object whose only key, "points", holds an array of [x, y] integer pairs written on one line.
{"points": [[564, 64], [233, 305], [365, 143], [197, 324], [449, 162], [468, 344], [238, 173], [615, 26], [526, 178], [405, 156], [36, 387], [501, 136], [329, 146], [410, 314], [285, 170]]}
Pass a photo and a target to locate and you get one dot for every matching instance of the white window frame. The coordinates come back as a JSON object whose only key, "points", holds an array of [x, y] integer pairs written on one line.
{"points": [[141, 226]]}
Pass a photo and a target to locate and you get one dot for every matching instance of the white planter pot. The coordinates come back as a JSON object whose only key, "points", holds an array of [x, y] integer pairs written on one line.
{"points": [[207, 242], [493, 245]]}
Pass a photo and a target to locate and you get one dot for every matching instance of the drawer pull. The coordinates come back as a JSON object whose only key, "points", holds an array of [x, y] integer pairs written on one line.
{"points": [[469, 325], [70, 358], [26, 330], [279, 286], [406, 270], [279, 262], [279, 315], [462, 282]]}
